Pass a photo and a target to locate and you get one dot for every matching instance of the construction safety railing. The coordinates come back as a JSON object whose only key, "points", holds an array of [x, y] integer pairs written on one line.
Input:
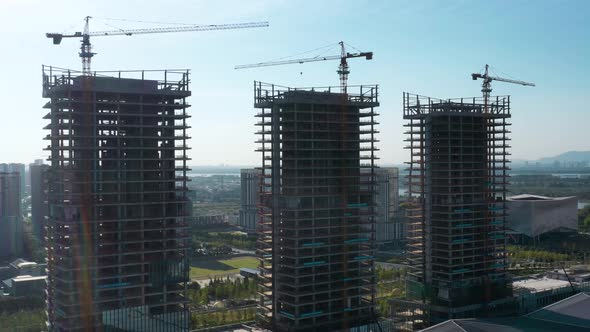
{"points": [[417, 105], [266, 92], [165, 79]]}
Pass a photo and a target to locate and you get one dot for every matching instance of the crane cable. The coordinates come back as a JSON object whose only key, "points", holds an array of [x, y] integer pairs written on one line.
{"points": [[66, 30], [356, 49], [101, 20], [503, 73], [110, 25], [325, 47], [136, 21]]}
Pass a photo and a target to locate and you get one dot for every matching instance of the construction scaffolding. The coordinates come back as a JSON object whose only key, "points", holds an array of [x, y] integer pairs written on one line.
{"points": [[117, 232], [316, 212], [457, 182]]}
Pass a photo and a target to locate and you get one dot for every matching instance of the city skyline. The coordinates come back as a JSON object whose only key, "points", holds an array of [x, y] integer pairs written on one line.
{"points": [[542, 42], [381, 178]]}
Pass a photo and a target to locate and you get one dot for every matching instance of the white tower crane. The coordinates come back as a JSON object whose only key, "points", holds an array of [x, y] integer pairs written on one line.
{"points": [[486, 86], [86, 48], [343, 69]]}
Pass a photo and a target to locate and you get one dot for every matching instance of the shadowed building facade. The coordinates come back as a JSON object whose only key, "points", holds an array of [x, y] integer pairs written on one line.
{"points": [[317, 212], [117, 232], [457, 222]]}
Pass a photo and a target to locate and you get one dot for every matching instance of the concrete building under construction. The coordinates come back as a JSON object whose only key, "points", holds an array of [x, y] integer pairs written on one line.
{"points": [[316, 213], [117, 230], [457, 181]]}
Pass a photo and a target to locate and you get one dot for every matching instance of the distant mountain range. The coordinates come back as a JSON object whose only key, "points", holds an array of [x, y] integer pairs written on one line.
{"points": [[567, 156], [577, 158]]}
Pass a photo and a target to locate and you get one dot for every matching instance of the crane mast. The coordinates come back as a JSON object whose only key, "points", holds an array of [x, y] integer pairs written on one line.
{"points": [[86, 48], [343, 68], [86, 53], [486, 86]]}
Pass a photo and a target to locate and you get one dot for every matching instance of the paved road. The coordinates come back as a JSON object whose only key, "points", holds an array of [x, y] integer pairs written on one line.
{"points": [[245, 252]]}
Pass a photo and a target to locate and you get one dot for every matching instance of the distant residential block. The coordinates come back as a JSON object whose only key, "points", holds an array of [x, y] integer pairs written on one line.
{"points": [[20, 169], [389, 225], [39, 204], [249, 197], [11, 224], [25, 285]]}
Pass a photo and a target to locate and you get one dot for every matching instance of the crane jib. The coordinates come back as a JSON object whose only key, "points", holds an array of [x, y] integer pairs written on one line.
{"points": [[86, 53]]}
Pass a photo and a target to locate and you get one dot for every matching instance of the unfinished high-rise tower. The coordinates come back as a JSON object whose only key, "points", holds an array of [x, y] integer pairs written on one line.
{"points": [[316, 213], [117, 233], [457, 180]]}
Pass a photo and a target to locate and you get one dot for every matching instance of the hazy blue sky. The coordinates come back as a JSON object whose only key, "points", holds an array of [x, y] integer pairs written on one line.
{"points": [[425, 47]]}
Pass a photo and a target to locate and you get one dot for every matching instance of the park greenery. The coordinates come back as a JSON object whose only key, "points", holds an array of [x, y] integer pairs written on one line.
{"points": [[208, 268], [584, 219], [23, 313], [521, 253], [11, 304], [23, 321], [222, 317], [390, 284], [236, 290], [237, 295], [28, 314], [220, 239], [33, 249]]}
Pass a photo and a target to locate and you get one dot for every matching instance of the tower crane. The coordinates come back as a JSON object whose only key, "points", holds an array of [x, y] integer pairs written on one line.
{"points": [[86, 48], [343, 68], [486, 86]]}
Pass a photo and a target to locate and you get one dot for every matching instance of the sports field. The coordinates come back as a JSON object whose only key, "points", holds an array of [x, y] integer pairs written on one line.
{"points": [[203, 269]]}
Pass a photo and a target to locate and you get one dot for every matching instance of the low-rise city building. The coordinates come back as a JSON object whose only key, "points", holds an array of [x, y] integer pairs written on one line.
{"points": [[533, 215], [25, 285]]}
